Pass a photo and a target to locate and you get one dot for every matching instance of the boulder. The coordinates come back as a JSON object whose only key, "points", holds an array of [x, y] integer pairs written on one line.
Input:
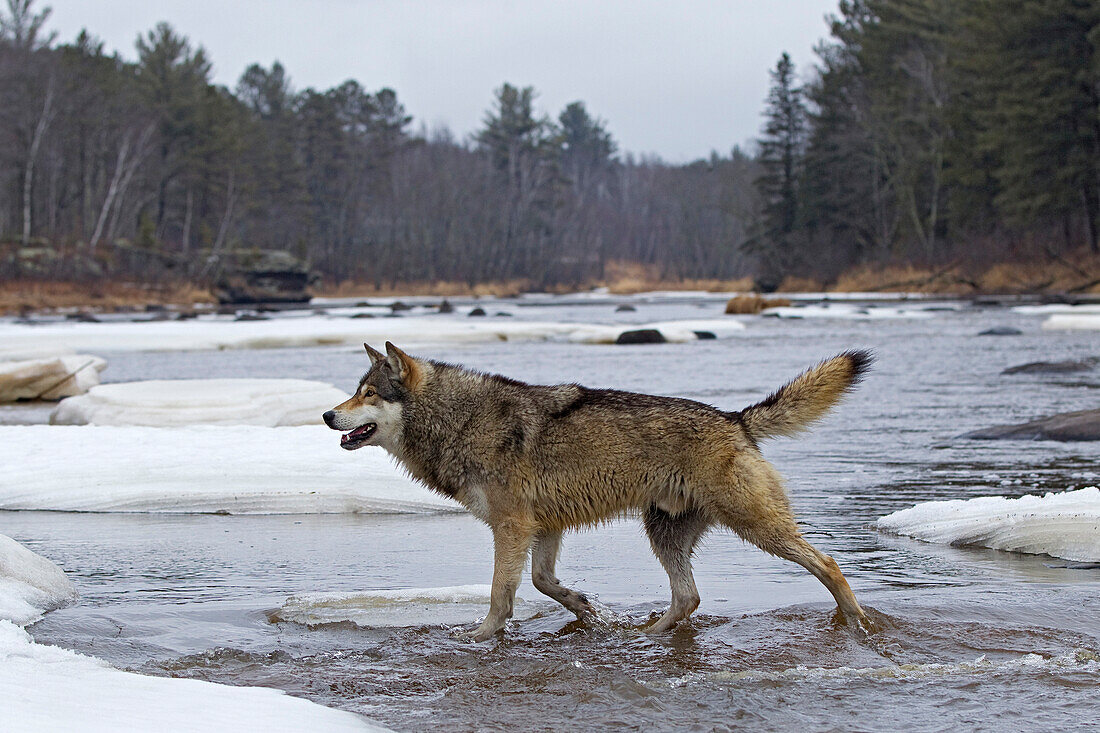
{"points": [[641, 336], [1066, 426], [262, 276]]}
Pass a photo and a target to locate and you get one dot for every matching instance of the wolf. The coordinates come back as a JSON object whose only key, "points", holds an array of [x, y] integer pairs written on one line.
{"points": [[533, 461]]}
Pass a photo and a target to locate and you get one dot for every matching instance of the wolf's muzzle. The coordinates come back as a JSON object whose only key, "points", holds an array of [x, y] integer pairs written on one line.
{"points": [[329, 417]]}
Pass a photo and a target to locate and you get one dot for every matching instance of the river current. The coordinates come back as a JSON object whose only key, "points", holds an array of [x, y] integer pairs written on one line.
{"points": [[965, 637]]}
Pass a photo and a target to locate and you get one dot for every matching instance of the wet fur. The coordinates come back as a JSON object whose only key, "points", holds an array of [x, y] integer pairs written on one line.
{"points": [[533, 461]]}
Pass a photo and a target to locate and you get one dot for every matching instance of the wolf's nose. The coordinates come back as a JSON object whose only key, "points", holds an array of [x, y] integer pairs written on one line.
{"points": [[329, 417]]}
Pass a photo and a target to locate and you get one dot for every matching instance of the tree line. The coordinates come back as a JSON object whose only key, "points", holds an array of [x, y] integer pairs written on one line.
{"points": [[930, 131], [148, 168], [935, 131]]}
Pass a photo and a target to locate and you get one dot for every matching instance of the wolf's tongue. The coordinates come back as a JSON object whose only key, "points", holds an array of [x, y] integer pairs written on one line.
{"points": [[356, 433]]}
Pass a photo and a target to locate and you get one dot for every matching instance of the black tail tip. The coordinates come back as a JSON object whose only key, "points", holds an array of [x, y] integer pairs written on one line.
{"points": [[861, 361]]}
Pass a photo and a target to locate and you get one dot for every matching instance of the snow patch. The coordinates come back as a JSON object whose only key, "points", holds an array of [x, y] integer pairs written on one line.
{"points": [[30, 585], [1048, 308], [1072, 322], [46, 688], [49, 378], [448, 606], [201, 469], [1065, 525], [215, 333], [165, 403]]}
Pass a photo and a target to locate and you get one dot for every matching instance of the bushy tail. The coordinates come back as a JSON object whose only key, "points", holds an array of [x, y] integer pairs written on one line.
{"points": [[795, 405]]}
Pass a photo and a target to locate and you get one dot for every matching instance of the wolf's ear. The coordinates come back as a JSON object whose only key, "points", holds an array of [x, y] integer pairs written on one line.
{"points": [[403, 365], [374, 354]]}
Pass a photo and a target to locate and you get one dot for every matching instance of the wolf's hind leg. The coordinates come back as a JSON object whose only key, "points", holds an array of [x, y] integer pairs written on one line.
{"points": [[769, 525], [511, 542], [673, 539], [544, 557]]}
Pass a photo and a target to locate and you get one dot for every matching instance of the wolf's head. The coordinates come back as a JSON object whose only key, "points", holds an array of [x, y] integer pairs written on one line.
{"points": [[373, 414]]}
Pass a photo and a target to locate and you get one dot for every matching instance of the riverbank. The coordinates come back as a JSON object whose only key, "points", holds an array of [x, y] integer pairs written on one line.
{"points": [[1074, 277]]}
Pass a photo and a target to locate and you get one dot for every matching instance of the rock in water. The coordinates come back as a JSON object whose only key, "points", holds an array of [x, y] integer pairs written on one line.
{"points": [[1066, 426], [1001, 331], [1054, 367], [641, 336]]}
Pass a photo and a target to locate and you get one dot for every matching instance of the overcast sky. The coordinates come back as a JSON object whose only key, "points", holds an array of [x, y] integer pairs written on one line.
{"points": [[676, 78]]}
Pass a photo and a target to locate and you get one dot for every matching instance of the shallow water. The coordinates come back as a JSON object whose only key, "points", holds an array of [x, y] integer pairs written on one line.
{"points": [[964, 637]]}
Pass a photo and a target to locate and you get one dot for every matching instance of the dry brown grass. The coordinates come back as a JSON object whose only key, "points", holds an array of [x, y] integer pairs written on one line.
{"points": [[21, 296], [752, 303], [627, 278], [1077, 272], [441, 288], [621, 278], [793, 284]]}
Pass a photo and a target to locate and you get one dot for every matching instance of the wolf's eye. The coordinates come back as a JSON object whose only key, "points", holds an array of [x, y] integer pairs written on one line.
{"points": [[369, 392]]}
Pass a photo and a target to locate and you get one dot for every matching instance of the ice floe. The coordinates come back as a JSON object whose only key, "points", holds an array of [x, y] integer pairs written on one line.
{"points": [[213, 333], [166, 403], [449, 605], [1065, 525], [1072, 322], [50, 378], [30, 585], [46, 688], [201, 469]]}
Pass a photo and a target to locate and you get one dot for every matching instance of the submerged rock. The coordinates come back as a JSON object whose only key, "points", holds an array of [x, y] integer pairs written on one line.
{"points": [[1066, 426], [479, 311], [1001, 331], [641, 336], [625, 308], [1054, 367], [705, 335]]}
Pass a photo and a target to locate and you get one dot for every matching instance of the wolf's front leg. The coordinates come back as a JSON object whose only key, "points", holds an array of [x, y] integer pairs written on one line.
{"points": [[510, 545]]}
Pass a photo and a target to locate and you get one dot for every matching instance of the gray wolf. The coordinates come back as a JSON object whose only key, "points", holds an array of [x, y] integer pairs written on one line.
{"points": [[533, 461]]}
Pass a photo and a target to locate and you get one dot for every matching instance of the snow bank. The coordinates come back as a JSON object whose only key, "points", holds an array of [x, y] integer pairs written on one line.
{"points": [[266, 402], [30, 585], [449, 606], [45, 688], [676, 332], [1072, 322], [201, 469], [213, 333], [1065, 525], [1048, 308], [49, 379]]}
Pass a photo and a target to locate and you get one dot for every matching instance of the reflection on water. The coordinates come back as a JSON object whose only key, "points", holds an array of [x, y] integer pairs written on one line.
{"points": [[964, 637]]}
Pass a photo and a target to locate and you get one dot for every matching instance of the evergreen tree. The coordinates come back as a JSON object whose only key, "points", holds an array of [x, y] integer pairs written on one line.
{"points": [[586, 145], [781, 158]]}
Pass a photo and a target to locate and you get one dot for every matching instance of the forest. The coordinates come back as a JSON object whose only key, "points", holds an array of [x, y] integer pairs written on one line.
{"points": [[929, 132]]}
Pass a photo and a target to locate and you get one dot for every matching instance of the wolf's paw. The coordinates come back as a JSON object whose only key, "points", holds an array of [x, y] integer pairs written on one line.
{"points": [[482, 633]]}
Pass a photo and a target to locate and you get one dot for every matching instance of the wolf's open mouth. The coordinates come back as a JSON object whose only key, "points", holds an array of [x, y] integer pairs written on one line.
{"points": [[356, 438]]}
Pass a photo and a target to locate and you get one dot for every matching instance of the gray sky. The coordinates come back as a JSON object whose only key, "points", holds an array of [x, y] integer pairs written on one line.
{"points": [[678, 79]]}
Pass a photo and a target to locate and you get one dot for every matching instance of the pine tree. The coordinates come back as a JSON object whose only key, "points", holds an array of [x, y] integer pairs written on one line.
{"points": [[781, 157]]}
